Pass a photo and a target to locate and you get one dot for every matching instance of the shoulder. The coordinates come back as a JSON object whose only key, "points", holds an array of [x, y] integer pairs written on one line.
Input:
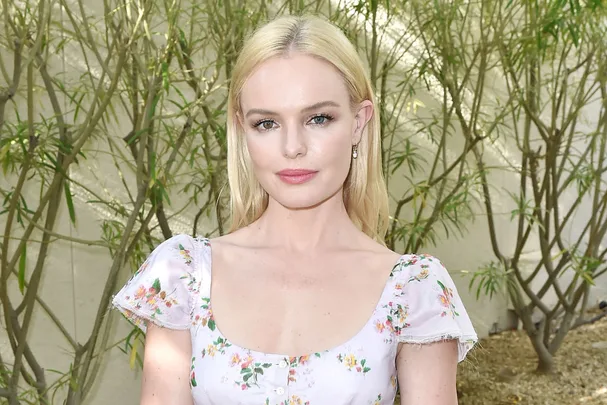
{"points": [[180, 250], [180, 239], [420, 265]]}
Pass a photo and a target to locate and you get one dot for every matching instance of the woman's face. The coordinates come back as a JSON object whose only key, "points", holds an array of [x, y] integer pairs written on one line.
{"points": [[300, 129]]}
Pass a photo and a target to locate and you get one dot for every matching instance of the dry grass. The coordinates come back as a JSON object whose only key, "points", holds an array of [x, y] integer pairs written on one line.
{"points": [[501, 371]]}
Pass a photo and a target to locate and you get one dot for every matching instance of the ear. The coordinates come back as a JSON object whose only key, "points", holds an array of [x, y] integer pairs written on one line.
{"points": [[364, 113]]}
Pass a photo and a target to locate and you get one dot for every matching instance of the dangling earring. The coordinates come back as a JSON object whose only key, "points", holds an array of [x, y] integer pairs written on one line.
{"points": [[354, 151]]}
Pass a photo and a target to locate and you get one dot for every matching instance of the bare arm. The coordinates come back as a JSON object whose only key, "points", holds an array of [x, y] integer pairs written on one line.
{"points": [[166, 367], [427, 373]]}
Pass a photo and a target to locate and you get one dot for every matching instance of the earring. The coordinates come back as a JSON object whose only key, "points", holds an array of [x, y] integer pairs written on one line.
{"points": [[354, 151]]}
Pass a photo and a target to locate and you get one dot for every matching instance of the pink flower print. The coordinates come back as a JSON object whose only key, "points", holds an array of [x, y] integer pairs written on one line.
{"points": [[446, 301], [292, 377], [397, 316], [246, 362], [140, 293]]}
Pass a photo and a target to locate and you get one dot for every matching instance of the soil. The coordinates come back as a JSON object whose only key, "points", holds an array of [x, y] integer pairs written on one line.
{"points": [[501, 370]]}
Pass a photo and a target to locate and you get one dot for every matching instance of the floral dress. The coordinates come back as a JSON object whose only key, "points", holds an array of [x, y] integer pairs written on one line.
{"points": [[419, 304]]}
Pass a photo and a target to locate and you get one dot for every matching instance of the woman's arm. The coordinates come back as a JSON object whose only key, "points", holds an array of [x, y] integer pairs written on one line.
{"points": [[166, 367], [427, 373]]}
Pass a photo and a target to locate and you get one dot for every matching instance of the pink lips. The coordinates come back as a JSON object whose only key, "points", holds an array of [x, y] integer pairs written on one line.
{"points": [[296, 176]]}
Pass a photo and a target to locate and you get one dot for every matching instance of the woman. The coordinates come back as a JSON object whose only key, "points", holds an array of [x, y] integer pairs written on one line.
{"points": [[301, 303]]}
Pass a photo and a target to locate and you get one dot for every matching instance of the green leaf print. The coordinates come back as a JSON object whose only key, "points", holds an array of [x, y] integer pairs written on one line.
{"points": [[441, 285], [211, 324], [193, 374], [156, 285]]}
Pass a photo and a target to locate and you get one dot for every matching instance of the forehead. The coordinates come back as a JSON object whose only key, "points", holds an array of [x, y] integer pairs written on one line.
{"points": [[293, 82]]}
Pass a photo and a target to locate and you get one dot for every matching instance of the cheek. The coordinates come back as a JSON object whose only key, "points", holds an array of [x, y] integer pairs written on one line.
{"points": [[260, 152], [335, 152]]}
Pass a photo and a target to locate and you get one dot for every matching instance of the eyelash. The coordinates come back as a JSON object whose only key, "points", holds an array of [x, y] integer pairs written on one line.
{"points": [[328, 118]]}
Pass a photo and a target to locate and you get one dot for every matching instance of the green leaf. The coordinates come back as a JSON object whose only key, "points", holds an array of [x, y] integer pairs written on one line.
{"points": [[211, 324], [69, 201], [165, 76], [22, 262], [156, 285]]}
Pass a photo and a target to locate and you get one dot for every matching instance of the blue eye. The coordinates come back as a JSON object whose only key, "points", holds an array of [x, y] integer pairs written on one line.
{"points": [[321, 119]]}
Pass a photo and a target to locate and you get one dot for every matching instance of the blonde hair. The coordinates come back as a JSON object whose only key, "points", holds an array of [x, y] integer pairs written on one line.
{"points": [[365, 194]]}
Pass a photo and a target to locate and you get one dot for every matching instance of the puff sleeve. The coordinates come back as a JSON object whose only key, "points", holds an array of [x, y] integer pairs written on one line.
{"points": [[429, 308], [161, 290]]}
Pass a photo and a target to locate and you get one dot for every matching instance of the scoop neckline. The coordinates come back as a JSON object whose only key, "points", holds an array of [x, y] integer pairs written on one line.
{"points": [[209, 248]]}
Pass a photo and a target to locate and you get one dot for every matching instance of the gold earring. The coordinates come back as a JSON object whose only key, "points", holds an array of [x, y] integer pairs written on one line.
{"points": [[354, 151]]}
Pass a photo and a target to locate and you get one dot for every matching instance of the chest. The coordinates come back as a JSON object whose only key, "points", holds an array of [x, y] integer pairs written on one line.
{"points": [[277, 306]]}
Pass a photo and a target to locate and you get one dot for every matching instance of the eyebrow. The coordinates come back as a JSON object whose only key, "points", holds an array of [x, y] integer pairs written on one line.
{"points": [[309, 108]]}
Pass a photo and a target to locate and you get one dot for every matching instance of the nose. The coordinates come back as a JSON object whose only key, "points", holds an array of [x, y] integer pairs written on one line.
{"points": [[294, 142]]}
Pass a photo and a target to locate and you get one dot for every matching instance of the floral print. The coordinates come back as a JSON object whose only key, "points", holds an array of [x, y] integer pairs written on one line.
{"points": [[218, 346], [352, 363], [185, 253], [294, 400], [250, 372], [154, 297], [396, 317], [193, 374], [205, 317], [377, 401], [420, 304], [446, 300]]}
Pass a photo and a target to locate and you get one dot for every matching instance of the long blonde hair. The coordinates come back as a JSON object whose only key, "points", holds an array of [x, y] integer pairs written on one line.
{"points": [[365, 194]]}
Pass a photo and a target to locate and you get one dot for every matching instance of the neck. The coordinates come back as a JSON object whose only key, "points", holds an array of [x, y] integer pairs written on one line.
{"points": [[300, 230]]}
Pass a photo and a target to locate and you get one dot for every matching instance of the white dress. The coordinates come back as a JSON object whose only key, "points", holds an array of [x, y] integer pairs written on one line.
{"points": [[419, 304]]}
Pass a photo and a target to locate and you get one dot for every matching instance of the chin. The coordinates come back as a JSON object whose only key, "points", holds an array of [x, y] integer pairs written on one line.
{"points": [[302, 199], [300, 203]]}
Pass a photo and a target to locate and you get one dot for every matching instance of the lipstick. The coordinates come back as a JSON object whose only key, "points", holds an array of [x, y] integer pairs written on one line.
{"points": [[296, 176]]}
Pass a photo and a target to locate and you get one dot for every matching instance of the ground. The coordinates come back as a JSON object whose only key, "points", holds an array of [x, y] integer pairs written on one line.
{"points": [[500, 371]]}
